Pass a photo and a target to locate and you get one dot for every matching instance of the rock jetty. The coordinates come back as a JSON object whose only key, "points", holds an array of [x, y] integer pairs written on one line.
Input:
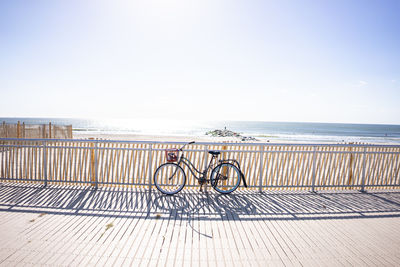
{"points": [[229, 133]]}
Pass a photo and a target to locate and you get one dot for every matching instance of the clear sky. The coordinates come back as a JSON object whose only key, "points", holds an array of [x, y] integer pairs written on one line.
{"points": [[307, 61]]}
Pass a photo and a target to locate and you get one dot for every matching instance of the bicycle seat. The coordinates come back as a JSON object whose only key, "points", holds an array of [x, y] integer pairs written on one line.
{"points": [[215, 153]]}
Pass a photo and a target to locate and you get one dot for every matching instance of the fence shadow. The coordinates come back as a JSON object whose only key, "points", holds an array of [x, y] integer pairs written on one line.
{"points": [[193, 205]]}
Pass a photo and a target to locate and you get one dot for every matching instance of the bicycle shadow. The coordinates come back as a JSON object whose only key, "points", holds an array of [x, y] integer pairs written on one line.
{"points": [[191, 205], [206, 205]]}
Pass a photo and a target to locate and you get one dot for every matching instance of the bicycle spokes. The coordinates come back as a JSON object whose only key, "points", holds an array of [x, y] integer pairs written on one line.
{"points": [[225, 178], [169, 178]]}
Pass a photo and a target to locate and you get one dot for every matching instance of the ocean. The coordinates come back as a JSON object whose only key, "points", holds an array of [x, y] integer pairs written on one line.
{"points": [[264, 131]]}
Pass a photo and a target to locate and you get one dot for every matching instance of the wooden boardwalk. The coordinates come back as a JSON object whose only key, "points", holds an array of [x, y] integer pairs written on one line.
{"points": [[78, 226]]}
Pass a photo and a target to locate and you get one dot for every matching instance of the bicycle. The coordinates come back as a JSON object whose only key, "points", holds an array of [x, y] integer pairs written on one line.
{"points": [[170, 178]]}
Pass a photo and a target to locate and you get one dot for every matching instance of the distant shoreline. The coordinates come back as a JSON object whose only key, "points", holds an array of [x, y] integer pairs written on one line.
{"points": [[199, 138]]}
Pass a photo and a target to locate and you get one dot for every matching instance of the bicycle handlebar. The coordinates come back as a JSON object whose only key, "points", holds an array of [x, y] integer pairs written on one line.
{"points": [[186, 145]]}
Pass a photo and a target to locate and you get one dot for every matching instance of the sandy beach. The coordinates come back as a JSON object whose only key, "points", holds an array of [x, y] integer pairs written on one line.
{"points": [[176, 138], [201, 138], [166, 138]]}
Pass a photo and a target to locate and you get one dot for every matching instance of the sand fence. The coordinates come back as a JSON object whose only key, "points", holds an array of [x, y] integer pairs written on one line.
{"points": [[266, 166], [22, 130]]}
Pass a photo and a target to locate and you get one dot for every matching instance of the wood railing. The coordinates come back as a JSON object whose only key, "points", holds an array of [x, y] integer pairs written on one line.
{"points": [[266, 166]]}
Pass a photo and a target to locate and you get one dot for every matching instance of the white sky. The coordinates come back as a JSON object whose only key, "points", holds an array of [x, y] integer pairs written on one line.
{"points": [[336, 61]]}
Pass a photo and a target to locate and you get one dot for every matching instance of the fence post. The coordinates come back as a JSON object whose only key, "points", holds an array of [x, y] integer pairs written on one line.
{"points": [[205, 156], [313, 169], [260, 168], [69, 131], [363, 171], [96, 164], [45, 163], [351, 160], [93, 162], [224, 147], [19, 129], [150, 164], [4, 130], [224, 170], [50, 130]]}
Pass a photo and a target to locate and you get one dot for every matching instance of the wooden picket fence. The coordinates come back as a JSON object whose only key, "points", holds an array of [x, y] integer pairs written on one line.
{"points": [[22, 130], [265, 166]]}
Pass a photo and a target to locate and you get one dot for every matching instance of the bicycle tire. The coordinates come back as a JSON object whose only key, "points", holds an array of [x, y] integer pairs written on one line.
{"points": [[225, 178], [169, 178]]}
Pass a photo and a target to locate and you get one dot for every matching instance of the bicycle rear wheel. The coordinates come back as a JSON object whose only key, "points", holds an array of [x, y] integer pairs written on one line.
{"points": [[225, 178], [169, 178]]}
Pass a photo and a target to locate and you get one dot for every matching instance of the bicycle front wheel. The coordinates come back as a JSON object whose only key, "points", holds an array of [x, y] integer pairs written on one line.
{"points": [[225, 178], [169, 178]]}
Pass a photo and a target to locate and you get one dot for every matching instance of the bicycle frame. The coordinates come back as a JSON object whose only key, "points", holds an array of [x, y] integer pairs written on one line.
{"points": [[193, 169]]}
